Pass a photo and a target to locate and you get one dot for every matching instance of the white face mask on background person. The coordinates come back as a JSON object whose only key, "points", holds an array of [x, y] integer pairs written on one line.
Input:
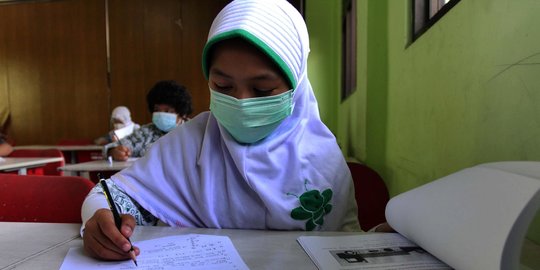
{"points": [[164, 121], [118, 126]]}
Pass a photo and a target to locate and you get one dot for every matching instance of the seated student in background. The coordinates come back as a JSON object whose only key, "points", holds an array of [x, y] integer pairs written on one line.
{"points": [[5, 147], [260, 159], [121, 122], [170, 105]]}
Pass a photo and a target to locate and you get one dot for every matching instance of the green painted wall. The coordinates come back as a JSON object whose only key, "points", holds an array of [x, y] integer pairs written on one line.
{"points": [[324, 62], [466, 92]]}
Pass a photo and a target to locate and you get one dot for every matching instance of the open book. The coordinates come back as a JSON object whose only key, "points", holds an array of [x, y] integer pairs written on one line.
{"points": [[476, 218]]}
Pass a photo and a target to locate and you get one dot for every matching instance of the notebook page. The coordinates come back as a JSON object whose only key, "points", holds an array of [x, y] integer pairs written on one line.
{"points": [[192, 251], [473, 219]]}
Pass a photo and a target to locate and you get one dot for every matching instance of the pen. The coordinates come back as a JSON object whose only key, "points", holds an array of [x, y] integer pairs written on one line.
{"points": [[117, 219]]}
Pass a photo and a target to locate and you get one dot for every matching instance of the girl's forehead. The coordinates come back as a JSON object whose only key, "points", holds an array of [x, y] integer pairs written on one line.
{"points": [[163, 107], [238, 46], [240, 56]]}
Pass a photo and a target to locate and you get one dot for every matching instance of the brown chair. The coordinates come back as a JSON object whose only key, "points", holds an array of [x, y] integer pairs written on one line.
{"points": [[33, 198], [47, 169], [371, 195]]}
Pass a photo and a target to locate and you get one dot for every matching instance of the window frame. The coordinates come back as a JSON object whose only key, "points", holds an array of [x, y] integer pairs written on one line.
{"points": [[349, 49], [425, 13]]}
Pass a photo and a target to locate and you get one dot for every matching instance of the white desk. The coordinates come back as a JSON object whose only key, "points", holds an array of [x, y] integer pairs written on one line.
{"points": [[96, 166], [22, 164], [89, 147], [24, 241], [44, 247], [64, 148]]}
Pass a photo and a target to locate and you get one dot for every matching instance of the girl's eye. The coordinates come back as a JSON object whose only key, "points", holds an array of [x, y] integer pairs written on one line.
{"points": [[263, 92], [222, 87]]}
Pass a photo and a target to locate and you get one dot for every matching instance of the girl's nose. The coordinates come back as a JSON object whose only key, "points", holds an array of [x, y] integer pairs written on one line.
{"points": [[242, 93]]}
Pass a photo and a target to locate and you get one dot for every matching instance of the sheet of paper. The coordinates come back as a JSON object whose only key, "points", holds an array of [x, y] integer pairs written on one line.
{"points": [[123, 132], [368, 251], [192, 251], [479, 212]]}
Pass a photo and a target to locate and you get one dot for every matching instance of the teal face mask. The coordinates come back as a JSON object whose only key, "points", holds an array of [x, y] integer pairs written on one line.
{"points": [[251, 119], [164, 121]]}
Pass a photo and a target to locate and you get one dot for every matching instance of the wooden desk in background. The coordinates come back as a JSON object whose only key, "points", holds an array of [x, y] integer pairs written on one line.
{"points": [[8, 164], [71, 149], [84, 169]]}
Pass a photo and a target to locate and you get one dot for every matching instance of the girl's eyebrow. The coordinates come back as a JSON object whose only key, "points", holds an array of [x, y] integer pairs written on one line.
{"points": [[261, 77], [265, 76], [216, 71]]}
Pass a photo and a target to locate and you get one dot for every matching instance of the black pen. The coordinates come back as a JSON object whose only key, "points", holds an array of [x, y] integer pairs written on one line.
{"points": [[117, 219]]}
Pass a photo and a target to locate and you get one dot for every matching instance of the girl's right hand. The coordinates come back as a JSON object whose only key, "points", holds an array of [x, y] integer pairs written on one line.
{"points": [[102, 240]]}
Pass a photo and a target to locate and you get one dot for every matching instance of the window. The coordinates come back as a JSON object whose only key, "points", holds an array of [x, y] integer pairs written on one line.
{"points": [[426, 12], [348, 49]]}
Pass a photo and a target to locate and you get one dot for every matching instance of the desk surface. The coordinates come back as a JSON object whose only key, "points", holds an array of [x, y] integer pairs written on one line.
{"points": [[11, 163], [44, 246], [25, 241], [62, 147], [98, 165]]}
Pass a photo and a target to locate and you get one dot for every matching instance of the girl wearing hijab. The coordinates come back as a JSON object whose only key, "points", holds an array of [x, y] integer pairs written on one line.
{"points": [[121, 123], [260, 159]]}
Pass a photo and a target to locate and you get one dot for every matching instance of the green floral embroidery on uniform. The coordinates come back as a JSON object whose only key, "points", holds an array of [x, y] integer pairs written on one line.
{"points": [[313, 206]]}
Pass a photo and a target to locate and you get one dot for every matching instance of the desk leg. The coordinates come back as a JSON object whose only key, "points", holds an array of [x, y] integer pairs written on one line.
{"points": [[73, 157]]}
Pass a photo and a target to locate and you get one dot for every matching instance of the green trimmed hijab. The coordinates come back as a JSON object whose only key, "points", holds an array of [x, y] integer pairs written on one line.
{"points": [[295, 179]]}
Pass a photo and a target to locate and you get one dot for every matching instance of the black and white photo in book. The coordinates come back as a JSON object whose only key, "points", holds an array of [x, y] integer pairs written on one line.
{"points": [[368, 251]]}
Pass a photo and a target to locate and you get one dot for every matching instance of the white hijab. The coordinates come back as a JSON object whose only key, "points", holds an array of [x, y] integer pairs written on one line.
{"points": [[121, 113], [295, 179]]}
